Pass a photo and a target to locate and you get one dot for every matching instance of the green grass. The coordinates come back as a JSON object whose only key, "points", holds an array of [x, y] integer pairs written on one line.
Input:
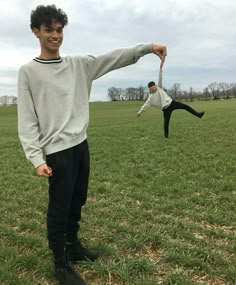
{"points": [[161, 211]]}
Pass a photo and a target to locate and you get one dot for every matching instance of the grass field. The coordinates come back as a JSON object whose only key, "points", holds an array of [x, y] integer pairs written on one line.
{"points": [[161, 211]]}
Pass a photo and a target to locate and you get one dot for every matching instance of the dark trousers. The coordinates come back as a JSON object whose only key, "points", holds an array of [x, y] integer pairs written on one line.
{"points": [[68, 187], [168, 111]]}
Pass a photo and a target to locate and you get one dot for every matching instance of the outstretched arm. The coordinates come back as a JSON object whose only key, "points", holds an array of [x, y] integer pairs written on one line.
{"points": [[160, 77], [118, 58], [145, 106]]}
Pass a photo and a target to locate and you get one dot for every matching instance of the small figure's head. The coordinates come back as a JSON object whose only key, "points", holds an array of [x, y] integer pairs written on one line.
{"points": [[152, 87]]}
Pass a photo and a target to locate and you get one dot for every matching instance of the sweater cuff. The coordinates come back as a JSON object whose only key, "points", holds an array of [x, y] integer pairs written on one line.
{"points": [[143, 49], [37, 161]]}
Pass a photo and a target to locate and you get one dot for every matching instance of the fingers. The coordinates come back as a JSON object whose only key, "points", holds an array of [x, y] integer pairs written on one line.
{"points": [[44, 170], [163, 57], [162, 63], [48, 171], [161, 51]]}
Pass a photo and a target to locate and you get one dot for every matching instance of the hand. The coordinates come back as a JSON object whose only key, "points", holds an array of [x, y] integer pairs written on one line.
{"points": [[138, 115], [44, 171], [161, 51]]}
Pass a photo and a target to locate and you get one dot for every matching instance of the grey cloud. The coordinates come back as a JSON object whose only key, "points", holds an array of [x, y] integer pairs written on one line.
{"points": [[200, 37]]}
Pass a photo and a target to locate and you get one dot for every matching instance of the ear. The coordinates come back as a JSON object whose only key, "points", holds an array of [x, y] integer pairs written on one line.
{"points": [[36, 32]]}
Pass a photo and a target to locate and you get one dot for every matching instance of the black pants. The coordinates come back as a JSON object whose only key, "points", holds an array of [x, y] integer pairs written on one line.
{"points": [[68, 187], [168, 111]]}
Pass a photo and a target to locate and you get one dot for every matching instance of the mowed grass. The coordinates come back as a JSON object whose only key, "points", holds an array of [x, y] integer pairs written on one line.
{"points": [[161, 211]]}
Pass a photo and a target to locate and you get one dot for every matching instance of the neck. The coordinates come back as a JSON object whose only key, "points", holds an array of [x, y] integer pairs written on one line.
{"points": [[49, 55]]}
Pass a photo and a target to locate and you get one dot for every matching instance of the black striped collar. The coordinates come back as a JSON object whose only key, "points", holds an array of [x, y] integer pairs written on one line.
{"points": [[48, 61]]}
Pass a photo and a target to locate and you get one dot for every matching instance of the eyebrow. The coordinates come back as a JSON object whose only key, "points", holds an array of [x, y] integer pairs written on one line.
{"points": [[51, 27]]}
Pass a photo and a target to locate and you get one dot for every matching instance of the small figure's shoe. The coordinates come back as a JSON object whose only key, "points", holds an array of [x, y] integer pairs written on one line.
{"points": [[77, 252], [201, 114], [67, 276]]}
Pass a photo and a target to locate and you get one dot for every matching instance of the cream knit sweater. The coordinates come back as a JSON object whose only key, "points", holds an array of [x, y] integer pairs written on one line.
{"points": [[53, 98], [160, 99]]}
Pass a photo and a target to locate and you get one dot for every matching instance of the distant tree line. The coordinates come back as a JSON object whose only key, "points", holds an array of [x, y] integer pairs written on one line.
{"points": [[213, 91], [8, 100]]}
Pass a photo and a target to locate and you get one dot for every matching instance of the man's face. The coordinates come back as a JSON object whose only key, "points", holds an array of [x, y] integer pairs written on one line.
{"points": [[153, 89], [50, 37]]}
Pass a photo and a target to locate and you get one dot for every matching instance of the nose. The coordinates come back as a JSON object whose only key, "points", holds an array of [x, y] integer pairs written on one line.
{"points": [[55, 34]]}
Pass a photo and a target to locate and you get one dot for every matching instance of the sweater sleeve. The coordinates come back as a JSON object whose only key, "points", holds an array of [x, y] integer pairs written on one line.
{"points": [[118, 58], [160, 79], [28, 126], [145, 106]]}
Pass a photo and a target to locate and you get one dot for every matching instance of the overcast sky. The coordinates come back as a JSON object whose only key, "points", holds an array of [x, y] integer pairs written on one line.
{"points": [[200, 36]]}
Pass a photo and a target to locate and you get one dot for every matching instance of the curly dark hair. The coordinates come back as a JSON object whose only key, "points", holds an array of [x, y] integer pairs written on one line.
{"points": [[45, 15]]}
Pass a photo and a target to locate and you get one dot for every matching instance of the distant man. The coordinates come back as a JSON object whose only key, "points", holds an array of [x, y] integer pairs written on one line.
{"points": [[160, 99], [53, 116]]}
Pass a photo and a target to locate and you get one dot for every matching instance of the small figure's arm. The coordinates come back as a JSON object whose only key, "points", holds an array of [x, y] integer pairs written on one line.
{"points": [[160, 77]]}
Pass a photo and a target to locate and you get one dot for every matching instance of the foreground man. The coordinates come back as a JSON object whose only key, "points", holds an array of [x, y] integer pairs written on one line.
{"points": [[53, 116]]}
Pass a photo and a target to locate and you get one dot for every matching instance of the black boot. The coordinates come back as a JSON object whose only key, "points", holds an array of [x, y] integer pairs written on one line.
{"points": [[75, 251], [65, 274], [200, 115]]}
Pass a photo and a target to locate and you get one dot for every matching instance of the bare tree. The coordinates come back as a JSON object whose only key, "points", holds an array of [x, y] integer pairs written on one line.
{"points": [[175, 91], [224, 87], [114, 93], [206, 93], [191, 93], [232, 90], [141, 94], [4, 100], [131, 93], [14, 100], [214, 90]]}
